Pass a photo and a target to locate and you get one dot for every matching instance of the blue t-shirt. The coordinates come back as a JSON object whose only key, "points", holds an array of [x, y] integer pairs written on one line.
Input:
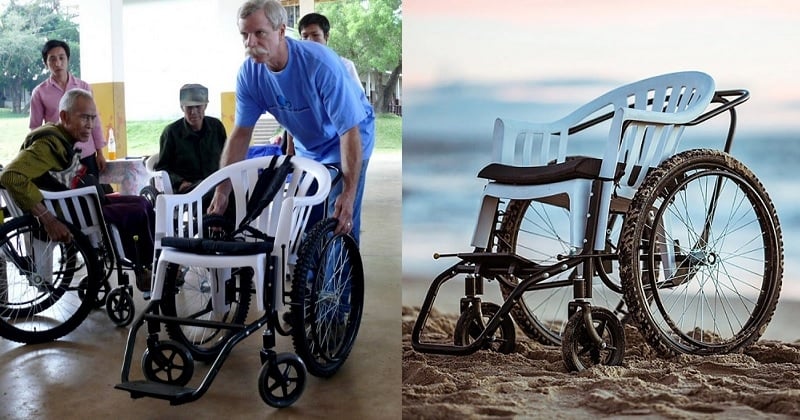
{"points": [[313, 97]]}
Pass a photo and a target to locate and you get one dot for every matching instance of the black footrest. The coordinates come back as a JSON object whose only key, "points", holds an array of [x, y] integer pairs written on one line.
{"points": [[173, 393], [499, 262]]}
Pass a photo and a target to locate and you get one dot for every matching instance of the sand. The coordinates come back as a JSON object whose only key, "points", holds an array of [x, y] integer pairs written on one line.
{"points": [[532, 382]]}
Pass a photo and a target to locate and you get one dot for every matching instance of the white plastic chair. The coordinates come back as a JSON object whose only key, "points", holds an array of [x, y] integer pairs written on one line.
{"points": [[531, 159], [158, 179], [284, 220]]}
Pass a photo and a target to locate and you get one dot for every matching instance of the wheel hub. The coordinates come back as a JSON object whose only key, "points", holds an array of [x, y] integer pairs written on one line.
{"points": [[702, 257], [37, 280]]}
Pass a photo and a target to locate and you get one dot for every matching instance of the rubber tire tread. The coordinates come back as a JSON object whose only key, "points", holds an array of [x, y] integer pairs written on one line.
{"points": [[308, 261], [631, 238]]}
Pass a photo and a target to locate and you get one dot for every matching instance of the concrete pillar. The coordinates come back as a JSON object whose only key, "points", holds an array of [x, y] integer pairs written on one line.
{"points": [[102, 64], [228, 108], [231, 43], [306, 7]]}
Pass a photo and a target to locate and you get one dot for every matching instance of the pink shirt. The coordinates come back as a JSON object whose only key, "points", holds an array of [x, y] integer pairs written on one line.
{"points": [[44, 109]]}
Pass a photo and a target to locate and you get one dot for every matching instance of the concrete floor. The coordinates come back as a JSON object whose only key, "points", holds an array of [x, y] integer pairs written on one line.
{"points": [[74, 377]]}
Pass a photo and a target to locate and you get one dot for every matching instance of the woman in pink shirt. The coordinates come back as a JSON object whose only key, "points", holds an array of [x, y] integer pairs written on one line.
{"points": [[45, 97]]}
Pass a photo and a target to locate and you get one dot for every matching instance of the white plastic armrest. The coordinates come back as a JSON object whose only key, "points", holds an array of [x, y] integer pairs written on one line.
{"points": [[163, 178], [174, 200], [55, 195], [641, 115]]}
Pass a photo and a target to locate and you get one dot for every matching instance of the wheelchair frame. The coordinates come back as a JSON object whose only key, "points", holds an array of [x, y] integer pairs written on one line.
{"points": [[592, 335], [282, 377]]}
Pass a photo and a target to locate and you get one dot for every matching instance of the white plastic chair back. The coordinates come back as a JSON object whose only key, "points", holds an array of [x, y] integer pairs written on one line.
{"points": [[647, 123], [646, 126], [158, 179], [80, 207], [285, 219]]}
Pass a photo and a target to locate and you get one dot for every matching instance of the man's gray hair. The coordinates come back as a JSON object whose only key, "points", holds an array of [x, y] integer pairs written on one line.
{"points": [[68, 101], [273, 10]]}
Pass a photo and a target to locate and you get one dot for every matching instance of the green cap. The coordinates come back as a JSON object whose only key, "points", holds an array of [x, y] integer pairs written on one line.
{"points": [[194, 94]]}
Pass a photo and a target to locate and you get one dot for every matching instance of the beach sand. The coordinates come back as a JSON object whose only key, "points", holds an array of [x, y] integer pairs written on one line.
{"points": [[532, 382]]}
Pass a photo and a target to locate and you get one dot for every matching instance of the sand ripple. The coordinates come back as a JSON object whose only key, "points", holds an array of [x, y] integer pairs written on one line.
{"points": [[762, 382]]}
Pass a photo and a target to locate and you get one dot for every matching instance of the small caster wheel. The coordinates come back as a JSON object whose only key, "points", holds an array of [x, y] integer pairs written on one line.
{"points": [[282, 380], [469, 326], [168, 362], [580, 351], [120, 307], [102, 292]]}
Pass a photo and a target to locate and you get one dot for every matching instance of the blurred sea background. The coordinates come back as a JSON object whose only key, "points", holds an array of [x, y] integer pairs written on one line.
{"points": [[441, 192]]}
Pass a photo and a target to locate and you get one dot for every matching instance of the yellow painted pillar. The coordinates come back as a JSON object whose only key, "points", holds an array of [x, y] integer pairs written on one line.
{"points": [[102, 65], [110, 100], [228, 110]]}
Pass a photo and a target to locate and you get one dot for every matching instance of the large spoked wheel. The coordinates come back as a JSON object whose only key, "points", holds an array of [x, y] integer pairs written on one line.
{"points": [[167, 362], [702, 255], [282, 381], [187, 294], [539, 231], [327, 299], [581, 351], [41, 295], [471, 324]]}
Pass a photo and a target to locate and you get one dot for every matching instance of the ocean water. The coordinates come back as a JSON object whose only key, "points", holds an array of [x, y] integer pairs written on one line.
{"points": [[441, 193]]}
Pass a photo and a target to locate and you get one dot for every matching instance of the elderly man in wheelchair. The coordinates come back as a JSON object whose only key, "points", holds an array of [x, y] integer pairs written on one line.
{"points": [[31, 178]]}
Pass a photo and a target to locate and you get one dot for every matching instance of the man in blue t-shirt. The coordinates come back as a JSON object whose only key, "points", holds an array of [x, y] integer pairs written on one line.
{"points": [[305, 86]]}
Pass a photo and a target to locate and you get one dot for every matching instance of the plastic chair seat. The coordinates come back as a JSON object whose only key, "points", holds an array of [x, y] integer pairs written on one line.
{"points": [[576, 168]]}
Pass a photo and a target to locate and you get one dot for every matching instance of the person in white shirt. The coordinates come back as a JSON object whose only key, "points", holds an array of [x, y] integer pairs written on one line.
{"points": [[316, 27]]}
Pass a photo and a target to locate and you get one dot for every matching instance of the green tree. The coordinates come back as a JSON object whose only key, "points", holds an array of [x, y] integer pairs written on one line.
{"points": [[24, 28], [369, 32]]}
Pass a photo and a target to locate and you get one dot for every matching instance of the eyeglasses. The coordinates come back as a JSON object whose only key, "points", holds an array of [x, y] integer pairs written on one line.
{"points": [[193, 108]]}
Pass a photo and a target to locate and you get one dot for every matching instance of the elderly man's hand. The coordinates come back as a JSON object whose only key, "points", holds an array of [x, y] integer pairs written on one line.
{"points": [[218, 203], [184, 187], [101, 161], [56, 230]]}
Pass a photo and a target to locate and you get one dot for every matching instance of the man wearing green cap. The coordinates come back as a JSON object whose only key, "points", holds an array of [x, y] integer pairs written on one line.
{"points": [[190, 148]]}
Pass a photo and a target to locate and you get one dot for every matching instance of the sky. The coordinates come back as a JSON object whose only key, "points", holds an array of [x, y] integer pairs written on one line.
{"points": [[742, 44]]}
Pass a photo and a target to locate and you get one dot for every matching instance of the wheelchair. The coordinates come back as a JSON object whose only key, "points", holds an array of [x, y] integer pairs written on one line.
{"points": [[683, 244], [307, 283], [48, 288]]}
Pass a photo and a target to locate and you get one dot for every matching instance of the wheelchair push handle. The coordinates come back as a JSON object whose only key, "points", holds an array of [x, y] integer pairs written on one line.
{"points": [[722, 97]]}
